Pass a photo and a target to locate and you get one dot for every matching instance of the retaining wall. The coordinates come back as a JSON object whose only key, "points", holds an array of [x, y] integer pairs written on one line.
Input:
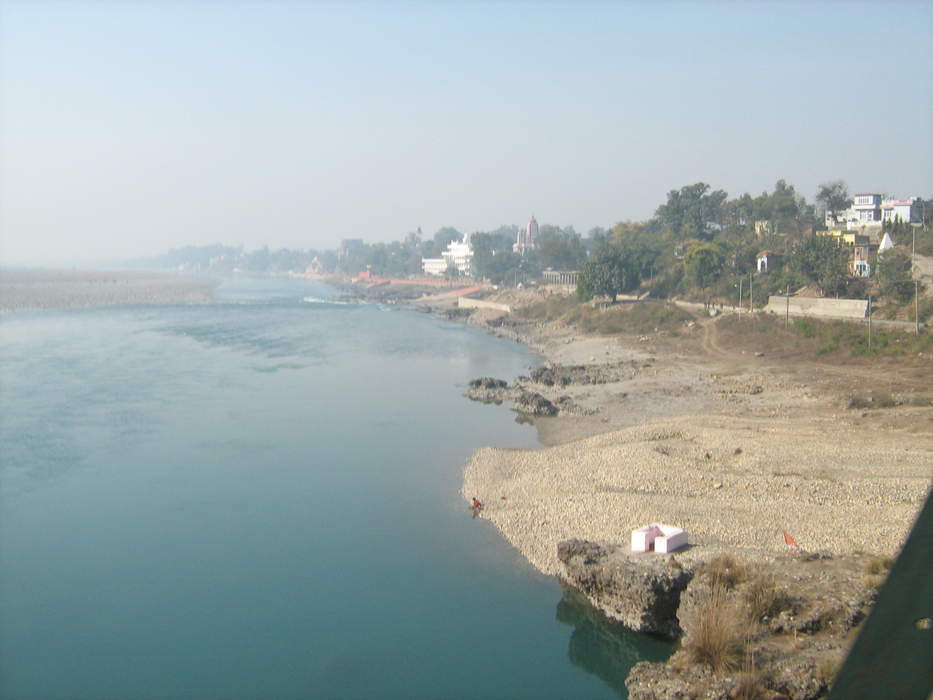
{"points": [[810, 306]]}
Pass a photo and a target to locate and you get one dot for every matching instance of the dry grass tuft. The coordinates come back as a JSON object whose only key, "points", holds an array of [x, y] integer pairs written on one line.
{"points": [[749, 686], [718, 635], [876, 565], [725, 572], [764, 598]]}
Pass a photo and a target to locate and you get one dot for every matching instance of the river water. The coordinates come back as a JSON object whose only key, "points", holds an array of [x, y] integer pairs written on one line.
{"points": [[258, 498]]}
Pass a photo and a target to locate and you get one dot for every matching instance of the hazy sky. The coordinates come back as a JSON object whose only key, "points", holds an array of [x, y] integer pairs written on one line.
{"points": [[127, 128]]}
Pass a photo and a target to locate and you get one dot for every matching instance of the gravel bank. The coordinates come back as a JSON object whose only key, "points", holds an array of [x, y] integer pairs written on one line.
{"points": [[731, 482], [66, 289]]}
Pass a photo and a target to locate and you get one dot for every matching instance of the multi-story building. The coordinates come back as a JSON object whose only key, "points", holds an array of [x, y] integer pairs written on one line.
{"points": [[527, 237], [348, 246], [908, 211], [459, 255], [870, 210]]}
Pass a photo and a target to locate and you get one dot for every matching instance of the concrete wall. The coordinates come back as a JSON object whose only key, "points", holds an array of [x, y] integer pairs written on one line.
{"points": [[467, 303], [809, 306]]}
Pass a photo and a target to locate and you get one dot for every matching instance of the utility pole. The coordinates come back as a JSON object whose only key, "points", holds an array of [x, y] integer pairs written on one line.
{"points": [[917, 304], [741, 280], [751, 294], [786, 307], [869, 322]]}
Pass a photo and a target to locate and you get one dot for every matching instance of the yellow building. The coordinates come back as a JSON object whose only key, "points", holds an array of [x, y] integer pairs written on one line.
{"points": [[850, 238]]}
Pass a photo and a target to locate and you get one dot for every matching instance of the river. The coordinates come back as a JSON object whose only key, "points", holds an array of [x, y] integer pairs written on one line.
{"points": [[259, 498]]}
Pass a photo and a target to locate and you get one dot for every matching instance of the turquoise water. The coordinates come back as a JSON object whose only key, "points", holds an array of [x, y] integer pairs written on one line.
{"points": [[259, 499]]}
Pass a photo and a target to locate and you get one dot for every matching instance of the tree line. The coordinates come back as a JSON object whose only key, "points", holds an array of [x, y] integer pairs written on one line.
{"points": [[699, 244]]}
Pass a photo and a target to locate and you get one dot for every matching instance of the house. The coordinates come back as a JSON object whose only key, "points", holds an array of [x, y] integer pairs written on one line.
{"points": [[906, 210], [860, 264], [849, 238], [870, 210], [459, 255], [434, 266], [767, 260], [862, 249], [762, 228]]}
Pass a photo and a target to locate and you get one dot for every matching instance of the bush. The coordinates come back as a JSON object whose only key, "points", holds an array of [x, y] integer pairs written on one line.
{"points": [[724, 572], [764, 598], [717, 636]]}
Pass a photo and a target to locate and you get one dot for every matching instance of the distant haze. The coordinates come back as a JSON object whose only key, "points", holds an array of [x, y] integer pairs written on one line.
{"points": [[130, 128]]}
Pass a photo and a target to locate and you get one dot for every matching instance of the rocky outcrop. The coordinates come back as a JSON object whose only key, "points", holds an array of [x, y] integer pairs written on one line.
{"points": [[641, 592], [564, 375], [489, 390], [790, 616], [534, 404]]}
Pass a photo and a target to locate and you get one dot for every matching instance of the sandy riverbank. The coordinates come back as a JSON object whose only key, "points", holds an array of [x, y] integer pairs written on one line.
{"points": [[65, 289], [733, 447]]}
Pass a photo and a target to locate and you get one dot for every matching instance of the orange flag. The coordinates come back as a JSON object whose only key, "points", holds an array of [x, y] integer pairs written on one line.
{"points": [[789, 539]]}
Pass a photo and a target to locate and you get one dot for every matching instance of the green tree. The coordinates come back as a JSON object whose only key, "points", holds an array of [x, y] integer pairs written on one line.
{"points": [[703, 265], [558, 249], [834, 196], [820, 259], [690, 210], [893, 272], [610, 271]]}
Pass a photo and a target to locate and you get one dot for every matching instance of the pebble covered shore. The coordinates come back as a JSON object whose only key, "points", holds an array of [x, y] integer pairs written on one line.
{"points": [[734, 448], [730, 482]]}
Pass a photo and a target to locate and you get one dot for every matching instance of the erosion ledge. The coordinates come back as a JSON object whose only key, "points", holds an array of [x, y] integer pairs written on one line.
{"points": [[749, 625]]}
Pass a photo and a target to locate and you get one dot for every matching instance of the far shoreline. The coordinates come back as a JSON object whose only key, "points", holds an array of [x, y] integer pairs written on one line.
{"points": [[48, 289]]}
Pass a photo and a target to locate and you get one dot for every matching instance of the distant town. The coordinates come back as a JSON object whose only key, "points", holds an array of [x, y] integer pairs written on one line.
{"points": [[700, 245]]}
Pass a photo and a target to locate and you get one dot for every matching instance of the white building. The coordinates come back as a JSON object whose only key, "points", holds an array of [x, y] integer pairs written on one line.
{"points": [[434, 266], [458, 255], [908, 210], [870, 210]]}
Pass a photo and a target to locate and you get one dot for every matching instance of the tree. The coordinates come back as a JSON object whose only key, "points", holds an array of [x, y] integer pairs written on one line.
{"points": [[703, 264], [609, 272], [834, 196], [893, 274], [559, 250], [822, 260], [785, 207], [690, 210]]}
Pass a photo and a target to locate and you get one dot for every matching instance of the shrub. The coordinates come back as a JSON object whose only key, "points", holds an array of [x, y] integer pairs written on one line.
{"points": [[750, 685], [878, 565], [716, 638], [805, 327], [764, 598], [724, 572]]}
